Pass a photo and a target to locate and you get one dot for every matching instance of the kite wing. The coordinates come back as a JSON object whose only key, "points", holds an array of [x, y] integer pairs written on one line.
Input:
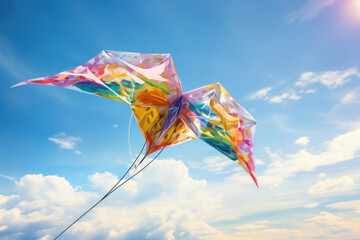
{"points": [[219, 120], [147, 82]]}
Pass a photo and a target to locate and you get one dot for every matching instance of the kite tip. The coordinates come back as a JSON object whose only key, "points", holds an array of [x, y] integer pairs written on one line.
{"points": [[18, 84], [255, 180]]}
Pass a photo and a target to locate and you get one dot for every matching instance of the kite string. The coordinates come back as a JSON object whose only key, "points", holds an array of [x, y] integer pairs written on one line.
{"points": [[105, 196], [132, 114], [116, 186], [114, 189], [148, 162], [109, 192]]}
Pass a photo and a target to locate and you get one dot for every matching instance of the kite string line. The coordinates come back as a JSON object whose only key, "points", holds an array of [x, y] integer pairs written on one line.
{"points": [[110, 192], [146, 153], [132, 114], [116, 185], [105, 196], [148, 162]]}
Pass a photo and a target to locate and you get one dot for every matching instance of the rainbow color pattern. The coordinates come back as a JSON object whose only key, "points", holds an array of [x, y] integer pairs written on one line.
{"points": [[150, 84]]}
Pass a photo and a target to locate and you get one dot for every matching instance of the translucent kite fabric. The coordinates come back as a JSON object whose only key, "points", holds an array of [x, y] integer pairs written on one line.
{"points": [[150, 84]]}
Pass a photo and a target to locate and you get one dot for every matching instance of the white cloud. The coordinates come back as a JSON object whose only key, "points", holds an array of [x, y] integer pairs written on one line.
{"points": [[105, 181], [168, 204], [64, 141], [5, 199], [330, 79], [353, 205], [77, 152], [350, 97], [102, 181], [309, 10], [332, 185], [311, 205], [307, 91], [115, 126], [260, 94], [321, 175], [341, 148], [3, 228], [263, 94], [303, 141], [326, 219], [289, 94], [322, 226], [335, 222], [172, 205], [213, 164], [259, 161], [250, 227]]}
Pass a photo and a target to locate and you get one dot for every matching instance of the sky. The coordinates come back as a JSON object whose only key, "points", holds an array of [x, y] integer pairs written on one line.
{"points": [[294, 65]]}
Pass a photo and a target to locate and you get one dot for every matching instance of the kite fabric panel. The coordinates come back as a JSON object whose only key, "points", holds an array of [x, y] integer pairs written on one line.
{"points": [[150, 84]]}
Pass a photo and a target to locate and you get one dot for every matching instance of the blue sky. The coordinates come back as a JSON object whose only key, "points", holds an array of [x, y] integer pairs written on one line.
{"points": [[292, 64]]}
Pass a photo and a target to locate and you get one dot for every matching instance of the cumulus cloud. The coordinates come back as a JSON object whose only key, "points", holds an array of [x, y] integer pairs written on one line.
{"points": [[341, 148], [7, 199], [41, 204], [309, 10], [289, 94], [332, 185], [172, 206], [311, 205], [164, 202], [259, 161], [213, 164], [168, 204], [250, 226], [334, 222], [263, 94], [331, 79], [307, 91], [350, 97], [64, 141], [104, 182], [3, 228], [321, 175], [260, 94], [352, 205], [323, 226], [326, 219], [303, 141]]}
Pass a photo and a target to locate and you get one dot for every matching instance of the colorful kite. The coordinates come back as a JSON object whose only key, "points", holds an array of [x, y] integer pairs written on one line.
{"points": [[166, 116]]}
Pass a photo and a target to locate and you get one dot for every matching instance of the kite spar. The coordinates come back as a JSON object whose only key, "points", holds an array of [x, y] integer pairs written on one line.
{"points": [[165, 115]]}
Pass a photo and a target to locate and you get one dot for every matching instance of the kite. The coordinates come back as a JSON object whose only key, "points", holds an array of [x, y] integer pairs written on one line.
{"points": [[165, 115]]}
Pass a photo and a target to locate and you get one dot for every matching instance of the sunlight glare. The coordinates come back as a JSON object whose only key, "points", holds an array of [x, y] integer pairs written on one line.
{"points": [[355, 10]]}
